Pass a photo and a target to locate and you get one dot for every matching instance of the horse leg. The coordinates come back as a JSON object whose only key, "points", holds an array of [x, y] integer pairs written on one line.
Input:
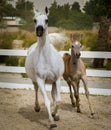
{"points": [[41, 85], [76, 94], [78, 108], [37, 106], [71, 94], [67, 79], [56, 98], [84, 80]]}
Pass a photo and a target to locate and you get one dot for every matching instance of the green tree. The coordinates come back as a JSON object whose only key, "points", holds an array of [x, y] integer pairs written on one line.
{"points": [[76, 21], [66, 10], [24, 4], [24, 8], [101, 12], [10, 10], [4, 4], [75, 7], [53, 14], [68, 17]]}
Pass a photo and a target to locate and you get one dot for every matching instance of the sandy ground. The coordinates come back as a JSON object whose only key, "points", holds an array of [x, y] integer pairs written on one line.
{"points": [[17, 112]]}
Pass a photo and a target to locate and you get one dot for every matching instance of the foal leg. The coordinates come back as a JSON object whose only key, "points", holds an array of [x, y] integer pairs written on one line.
{"points": [[71, 94], [67, 79], [41, 85], [84, 80], [37, 106], [76, 94], [78, 99], [56, 98]]}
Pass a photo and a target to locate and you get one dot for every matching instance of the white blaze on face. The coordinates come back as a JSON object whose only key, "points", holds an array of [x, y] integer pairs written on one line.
{"points": [[76, 43]]}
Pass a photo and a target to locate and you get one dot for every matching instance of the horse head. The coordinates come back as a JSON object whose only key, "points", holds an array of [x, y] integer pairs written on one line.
{"points": [[75, 50], [76, 45], [41, 22]]}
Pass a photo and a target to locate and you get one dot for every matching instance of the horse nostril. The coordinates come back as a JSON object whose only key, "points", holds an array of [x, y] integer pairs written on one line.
{"points": [[39, 31], [39, 28], [78, 55]]}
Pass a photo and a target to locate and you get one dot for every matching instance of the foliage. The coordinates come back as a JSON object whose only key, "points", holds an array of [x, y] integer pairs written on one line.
{"points": [[77, 21], [22, 63], [24, 10], [4, 5], [89, 40], [75, 7], [100, 10], [12, 61], [27, 37], [108, 65], [65, 16], [97, 8], [24, 4], [69, 17], [6, 40]]}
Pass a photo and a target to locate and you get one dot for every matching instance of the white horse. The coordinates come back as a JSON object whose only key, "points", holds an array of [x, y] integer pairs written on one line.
{"points": [[45, 65]]}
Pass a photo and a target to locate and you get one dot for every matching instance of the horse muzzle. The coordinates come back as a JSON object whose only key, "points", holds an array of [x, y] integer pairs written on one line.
{"points": [[39, 31], [78, 55]]}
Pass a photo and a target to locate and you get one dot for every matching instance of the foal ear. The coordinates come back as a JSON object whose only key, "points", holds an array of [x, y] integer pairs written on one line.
{"points": [[46, 10], [80, 37], [72, 37]]}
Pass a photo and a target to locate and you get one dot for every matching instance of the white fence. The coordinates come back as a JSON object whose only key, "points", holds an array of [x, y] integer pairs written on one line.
{"points": [[16, 69]]}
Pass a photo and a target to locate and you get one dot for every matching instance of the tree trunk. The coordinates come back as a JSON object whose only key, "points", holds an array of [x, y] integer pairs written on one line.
{"points": [[102, 40]]}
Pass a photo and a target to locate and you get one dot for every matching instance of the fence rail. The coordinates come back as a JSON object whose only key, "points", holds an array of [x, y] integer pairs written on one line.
{"points": [[84, 54]]}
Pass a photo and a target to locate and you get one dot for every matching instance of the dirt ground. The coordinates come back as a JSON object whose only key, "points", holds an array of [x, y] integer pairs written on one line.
{"points": [[17, 112]]}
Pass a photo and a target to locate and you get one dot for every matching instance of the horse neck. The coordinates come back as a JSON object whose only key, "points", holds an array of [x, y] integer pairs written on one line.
{"points": [[44, 46], [74, 60], [44, 40]]}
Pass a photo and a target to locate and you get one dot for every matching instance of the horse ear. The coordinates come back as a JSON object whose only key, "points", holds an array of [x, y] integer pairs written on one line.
{"points": [[46, 10], [34, 10], [72, 37], [80, 37]]}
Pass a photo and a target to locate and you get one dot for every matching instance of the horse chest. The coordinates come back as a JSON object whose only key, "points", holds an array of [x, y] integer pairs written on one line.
{"points": [[75, 73], [44, 67]]}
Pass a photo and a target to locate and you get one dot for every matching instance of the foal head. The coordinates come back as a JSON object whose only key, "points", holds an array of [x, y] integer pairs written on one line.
{"points": [[76, 45], [41, 22], [75, 50]]}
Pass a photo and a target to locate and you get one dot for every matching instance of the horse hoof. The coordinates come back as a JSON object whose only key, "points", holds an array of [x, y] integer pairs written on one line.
{"points": [[78, 111], [73, 105], [37, 109], [56, 118], [92, 116], [53, 114], [53, 125]]}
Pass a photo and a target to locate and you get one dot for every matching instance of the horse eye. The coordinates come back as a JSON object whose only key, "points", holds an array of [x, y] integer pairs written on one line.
{"points": [[72, 46], [46, 21], [80, 45], [35, 21]]}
